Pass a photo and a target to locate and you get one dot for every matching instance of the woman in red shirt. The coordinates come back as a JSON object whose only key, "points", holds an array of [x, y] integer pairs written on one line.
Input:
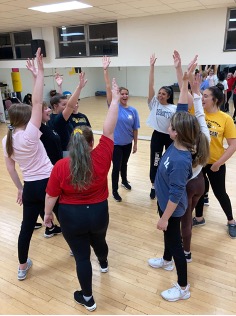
{"points": [[80, 182]]}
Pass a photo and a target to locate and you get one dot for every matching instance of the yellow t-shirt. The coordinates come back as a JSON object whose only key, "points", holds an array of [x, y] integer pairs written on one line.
{"points": [[221, 126]]}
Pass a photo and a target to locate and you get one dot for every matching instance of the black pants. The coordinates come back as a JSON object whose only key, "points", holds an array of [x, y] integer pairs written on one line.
{"points": [[120, 159], [84, 226], [217, 181], [173, 248], [33, 206], [229, 93], [158, 142], [234, 100]]}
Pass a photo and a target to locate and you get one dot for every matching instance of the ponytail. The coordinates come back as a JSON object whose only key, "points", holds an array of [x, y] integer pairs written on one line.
{"points": [[202, 151], [81, 168]]}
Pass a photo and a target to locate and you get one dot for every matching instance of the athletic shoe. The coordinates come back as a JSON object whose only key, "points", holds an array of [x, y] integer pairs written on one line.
{"points": [[38, 225], [23, 273], [126, 186], [188, 257], [71, 253], [90, 305], [104, 266], [152, 194], [160, 263], [116, 196], [176, 293], [232, 230], [196, 223], [206, 200], [50, 232]]}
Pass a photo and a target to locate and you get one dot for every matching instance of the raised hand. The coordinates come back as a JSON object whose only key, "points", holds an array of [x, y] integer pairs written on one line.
{"points": [[152, 60], [194, 61], [31, 67], [196, 83], [115, 91], [82, 80], [39, 59], [106, 62], [58, 78], [177, 59]]}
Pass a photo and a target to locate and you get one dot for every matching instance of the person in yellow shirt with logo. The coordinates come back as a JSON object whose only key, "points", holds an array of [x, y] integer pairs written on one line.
{"points": [[221, 126]]}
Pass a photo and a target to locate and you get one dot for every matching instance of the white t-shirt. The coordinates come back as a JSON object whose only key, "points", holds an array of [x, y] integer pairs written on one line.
{"points": [[30, 153], [160, 115], [225, 84], [213, 80]]}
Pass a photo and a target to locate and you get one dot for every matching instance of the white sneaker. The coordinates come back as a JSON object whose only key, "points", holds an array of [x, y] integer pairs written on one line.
{"points": [[176, 293], [161, 263]]}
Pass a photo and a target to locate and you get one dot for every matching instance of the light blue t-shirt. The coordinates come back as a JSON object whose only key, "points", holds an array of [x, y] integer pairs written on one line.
{"points": [[128, 121], [173, 173]]}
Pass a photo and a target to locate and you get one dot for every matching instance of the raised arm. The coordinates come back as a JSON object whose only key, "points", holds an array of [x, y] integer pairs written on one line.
{"points": [[151, 90], [37, 95], [59, 81], [106, 62], [72, 102], [112, 114]]}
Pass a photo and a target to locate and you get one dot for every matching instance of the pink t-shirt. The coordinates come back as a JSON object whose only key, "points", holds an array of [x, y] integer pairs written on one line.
{"points": [[30, 153]]}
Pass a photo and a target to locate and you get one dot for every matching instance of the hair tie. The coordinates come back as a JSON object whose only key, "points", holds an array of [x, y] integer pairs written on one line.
{"points": [[10, 127], [78, 130]]}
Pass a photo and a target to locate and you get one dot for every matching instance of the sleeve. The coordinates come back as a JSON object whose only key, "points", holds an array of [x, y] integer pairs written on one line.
{"points": [[182, 107], [229, 131], [53, 187], [151, 104], [87, 120], [59, 122], [200, 115], [32, 134], [103, 152], [136, 120], [178, 178]]}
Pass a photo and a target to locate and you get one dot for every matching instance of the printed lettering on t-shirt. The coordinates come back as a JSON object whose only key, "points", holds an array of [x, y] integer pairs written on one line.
{"points": [[77, 120], [212, 131], [166, 114]]}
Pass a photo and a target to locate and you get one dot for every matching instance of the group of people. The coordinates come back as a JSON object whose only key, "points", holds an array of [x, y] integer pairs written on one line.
{"points": [[64, 174]]}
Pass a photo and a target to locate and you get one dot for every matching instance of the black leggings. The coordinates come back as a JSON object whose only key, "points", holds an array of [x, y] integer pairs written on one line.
{"points": [[120, 159], [229, 93], [158, 142], [234, 100], [173, 248], [33, 206], [84, 226], [217, 181]]}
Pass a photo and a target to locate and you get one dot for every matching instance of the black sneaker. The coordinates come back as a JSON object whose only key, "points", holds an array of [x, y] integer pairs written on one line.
{"points": [[90, 305], [50, 232], [188, 257], [206, 200], [38, 225], [104, 266], [197, 223], [152, 194], [116, 196], [126, 186]]}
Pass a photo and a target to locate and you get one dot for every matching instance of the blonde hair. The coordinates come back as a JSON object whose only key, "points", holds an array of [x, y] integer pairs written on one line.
{"points": [[190, 136], [81, 168], [19, 115]]}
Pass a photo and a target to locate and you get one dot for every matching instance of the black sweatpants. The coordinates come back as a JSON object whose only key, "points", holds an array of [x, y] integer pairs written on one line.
{"points": [[217, 181], [158, 142], [84, 226], [120, 159], [173, 248]]}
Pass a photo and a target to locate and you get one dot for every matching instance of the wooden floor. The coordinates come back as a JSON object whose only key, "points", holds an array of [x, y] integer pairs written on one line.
{"points": [[131, 286]]}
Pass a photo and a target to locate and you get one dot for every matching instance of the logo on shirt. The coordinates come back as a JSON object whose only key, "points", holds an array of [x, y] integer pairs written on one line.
{"points": [[166, 114], [166, 163], [130, 117]]}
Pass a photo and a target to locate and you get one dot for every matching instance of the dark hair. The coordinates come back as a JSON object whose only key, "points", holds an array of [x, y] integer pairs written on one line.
{"points": [[28, 99], [81, 168], [217, 93], [190, 136], [52, 93], [56, 99], [221, 76], [19, 116], [169, 90]]}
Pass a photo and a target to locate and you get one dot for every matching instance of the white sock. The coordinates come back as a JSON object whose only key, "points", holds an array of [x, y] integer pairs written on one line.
{"points": [[87, 298], [187, 252]]}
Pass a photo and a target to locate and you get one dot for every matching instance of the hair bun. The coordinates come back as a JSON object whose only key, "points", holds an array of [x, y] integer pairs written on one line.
{"points": [[220, 86]]}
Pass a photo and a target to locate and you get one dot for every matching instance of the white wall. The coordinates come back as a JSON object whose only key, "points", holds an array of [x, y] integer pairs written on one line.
{"points": [[200, 32]]}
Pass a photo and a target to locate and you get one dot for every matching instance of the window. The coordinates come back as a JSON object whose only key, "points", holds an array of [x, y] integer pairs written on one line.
{"points": [[15, 45], [88, 40], [230, 33]]}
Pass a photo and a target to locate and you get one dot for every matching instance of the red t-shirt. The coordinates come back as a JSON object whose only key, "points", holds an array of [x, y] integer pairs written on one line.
{"points": [[230, 82], [59, 182]]}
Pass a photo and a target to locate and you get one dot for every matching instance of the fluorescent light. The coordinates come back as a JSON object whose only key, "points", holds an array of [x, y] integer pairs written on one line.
{"points": [[115, 42], [71, 34], [63, 6], [232, 20]]}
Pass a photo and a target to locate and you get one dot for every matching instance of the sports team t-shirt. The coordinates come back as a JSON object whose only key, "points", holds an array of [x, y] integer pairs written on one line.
{"points": [[59, 183]]}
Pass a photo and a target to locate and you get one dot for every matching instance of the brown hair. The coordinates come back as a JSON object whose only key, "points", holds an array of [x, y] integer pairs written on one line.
{"points": [[81, 169], [19, 116], [123, 88], [190, 136]]}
